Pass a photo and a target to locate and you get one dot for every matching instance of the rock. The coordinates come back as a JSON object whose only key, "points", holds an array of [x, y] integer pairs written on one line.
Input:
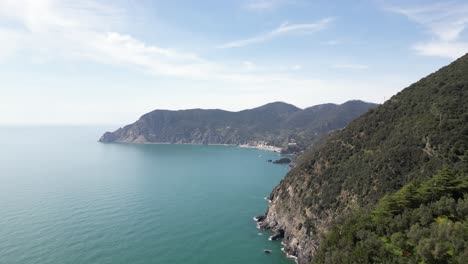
{"points": [[282, 161], [279, 234], [270, 160], [264, 225], [291, 149], [259, 218], [267, 251], [108, 137]]}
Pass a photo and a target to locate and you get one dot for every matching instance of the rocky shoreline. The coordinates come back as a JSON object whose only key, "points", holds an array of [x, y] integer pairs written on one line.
{"points": [[278, 234]]}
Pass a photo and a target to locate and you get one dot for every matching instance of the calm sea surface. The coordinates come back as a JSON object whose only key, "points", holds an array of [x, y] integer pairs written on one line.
{"points": [[65, 198]]}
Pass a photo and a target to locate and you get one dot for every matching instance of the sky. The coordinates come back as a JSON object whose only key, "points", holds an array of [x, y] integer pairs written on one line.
{"points": [[87, 62]]}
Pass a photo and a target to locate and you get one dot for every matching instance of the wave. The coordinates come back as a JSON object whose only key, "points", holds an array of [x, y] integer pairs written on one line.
{"points": [[287, 254]]}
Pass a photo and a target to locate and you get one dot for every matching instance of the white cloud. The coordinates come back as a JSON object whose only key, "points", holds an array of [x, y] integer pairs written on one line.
{"points": [[51, 28], [297, 67], [264, 5], [42, 16], [451, 50], [350, 66], [283, 29], [331, 42], [248, 65], [54, 28], [89, 31], [116, 48], [92, 32], [445, 21], [9, 40]]}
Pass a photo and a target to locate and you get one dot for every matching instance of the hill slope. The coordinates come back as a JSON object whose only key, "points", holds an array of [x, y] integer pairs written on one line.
{"points": [[275, 124], [410, 137]]}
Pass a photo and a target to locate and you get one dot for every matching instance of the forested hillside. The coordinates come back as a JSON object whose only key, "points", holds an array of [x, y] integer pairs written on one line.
{"points": [[274, 124], [423, 222], [408, 139]]}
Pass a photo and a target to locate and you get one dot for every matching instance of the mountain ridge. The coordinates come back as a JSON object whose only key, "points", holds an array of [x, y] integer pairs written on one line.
{"points": [[274, 124]]}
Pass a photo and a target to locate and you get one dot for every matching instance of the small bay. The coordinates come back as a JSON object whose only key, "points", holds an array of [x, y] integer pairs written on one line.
{"points": [[65, 198]]}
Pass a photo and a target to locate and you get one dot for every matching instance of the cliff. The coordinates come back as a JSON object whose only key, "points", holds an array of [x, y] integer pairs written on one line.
{"points": [[409, 138]]}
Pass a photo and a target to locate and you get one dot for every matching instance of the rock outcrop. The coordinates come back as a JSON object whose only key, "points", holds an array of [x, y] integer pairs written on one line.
{"points": [[282, 161]]}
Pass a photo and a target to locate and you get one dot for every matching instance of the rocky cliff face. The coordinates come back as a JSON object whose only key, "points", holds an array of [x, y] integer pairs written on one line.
{"points": [[273, 124], [411, 136]]}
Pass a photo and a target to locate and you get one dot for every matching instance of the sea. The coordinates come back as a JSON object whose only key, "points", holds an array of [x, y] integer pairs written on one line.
{"points": [[67, 199]]}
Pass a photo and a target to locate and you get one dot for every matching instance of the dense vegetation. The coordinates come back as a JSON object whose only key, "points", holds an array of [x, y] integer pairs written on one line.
{"points": [[417, 132], [275, 124], [424, 222]]}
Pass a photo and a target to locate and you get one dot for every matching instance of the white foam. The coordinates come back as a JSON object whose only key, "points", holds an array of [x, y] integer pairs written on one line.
{"points": [[260, 234], [266, 198], [289, 255]]}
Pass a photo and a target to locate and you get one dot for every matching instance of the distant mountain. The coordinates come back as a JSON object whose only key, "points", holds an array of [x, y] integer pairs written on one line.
{"points": [[332, 206], [274, 124]]}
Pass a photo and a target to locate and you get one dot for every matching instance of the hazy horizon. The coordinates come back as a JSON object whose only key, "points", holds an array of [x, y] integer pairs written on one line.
{"points": [[137, 116]]}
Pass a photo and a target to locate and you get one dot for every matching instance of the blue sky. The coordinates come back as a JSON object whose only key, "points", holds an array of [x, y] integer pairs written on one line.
{"points": [[108, 62]]}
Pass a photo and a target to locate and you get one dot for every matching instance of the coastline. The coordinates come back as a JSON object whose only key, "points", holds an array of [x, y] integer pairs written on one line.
{"points": [[251, 145], [287, 254], [262, 147], [259, 220], [255, 146]]}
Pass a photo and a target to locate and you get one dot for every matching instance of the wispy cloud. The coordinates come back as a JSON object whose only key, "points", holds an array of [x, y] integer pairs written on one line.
{"points": [[296, 67], [283, 29], [90, 32], [331, 42], [445, 21], [350, 66], [87, 31], [451, 50], [248, 65], [264, 5]]}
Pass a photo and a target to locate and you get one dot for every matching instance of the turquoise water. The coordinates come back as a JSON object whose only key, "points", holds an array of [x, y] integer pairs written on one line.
{"points": [[64, 198]]}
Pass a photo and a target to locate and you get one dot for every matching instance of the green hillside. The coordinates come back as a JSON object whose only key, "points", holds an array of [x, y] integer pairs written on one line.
{"points": [[419, 131], [275, 124], [423, 222]]}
